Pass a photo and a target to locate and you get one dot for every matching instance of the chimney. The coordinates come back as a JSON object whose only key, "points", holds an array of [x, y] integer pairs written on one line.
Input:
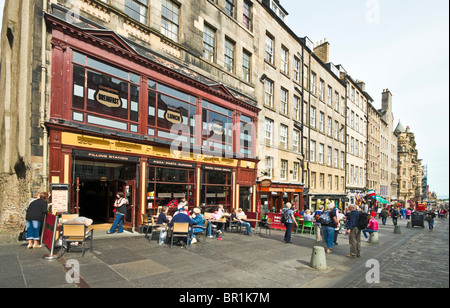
{"points": [[322, 50], [361, 85]]}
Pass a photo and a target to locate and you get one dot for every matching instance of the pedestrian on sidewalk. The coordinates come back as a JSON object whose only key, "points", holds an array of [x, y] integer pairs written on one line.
{"points": [[394, 215], [429, 217], [289, 222], [328, 224], [384, 214], [34, 217], [120, 208], [353, 232]]}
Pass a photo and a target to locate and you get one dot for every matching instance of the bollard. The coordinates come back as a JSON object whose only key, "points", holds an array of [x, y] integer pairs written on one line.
{"points": [[318, 260], [408, 224], [397, 230], [373, 238]]}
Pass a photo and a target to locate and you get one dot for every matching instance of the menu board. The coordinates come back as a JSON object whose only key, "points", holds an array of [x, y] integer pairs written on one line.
{"points": [[60, 198]]}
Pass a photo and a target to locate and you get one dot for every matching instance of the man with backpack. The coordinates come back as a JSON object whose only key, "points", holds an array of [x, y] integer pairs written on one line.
{"points": [[287, 217], [354, 232]]}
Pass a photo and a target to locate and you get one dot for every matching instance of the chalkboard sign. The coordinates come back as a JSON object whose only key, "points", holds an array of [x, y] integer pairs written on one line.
{"points": [[60, 197]]}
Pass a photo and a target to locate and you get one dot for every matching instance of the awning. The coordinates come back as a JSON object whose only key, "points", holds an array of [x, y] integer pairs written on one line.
{"points": [[381, 200]]}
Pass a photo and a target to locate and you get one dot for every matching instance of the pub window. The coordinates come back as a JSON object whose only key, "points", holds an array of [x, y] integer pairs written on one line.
{"points": [[246, 130], [168, 106], [137, 9], [104, 95], [170, 16], [215, 188], [217, 130], [168, 183]]}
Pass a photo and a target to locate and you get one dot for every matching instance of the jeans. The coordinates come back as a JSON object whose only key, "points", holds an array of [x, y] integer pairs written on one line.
{"points": [[328, 235], [247, 225], [117, 221], [287, 234], [383, 220], [431, 225], [367, 230], [33, 227], [394, 220]]}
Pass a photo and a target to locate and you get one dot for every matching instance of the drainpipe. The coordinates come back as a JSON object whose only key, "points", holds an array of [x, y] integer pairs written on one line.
{"points": [[43, 95]]}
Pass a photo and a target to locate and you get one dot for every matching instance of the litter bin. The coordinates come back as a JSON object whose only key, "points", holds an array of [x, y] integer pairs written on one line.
{"points": [[417, 219]]}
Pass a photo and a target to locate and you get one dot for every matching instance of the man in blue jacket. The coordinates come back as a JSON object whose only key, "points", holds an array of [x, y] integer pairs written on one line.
{"points": [[353, 232], [181, 217]]}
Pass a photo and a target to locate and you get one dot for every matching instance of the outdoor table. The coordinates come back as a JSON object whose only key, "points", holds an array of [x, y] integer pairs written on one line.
{"points": [[256, 221], [222, 222]]}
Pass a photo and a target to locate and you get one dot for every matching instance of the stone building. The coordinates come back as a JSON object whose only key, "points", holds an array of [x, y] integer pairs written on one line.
{"points": [[388, 149], [373, 147], [410, 169]]}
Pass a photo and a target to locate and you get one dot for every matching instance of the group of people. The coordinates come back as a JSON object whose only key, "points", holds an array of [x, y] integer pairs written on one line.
{"points": [[332, 222]]}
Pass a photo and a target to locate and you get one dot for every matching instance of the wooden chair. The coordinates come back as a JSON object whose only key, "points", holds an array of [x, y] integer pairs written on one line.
{"points": [[76, 233], [266, 225], [180, 229], [145, 223], [68, 217]]}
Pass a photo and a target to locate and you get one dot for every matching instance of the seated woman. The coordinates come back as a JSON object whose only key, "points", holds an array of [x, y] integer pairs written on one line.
{"points": [[198, 220], [308, 216], [372, 227]]}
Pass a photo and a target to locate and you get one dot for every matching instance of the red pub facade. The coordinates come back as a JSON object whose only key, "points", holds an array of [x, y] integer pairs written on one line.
{"points": [[125, 119]]}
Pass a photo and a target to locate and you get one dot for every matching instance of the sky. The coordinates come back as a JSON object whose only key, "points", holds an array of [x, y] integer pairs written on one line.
{"points": [[402, 45]]}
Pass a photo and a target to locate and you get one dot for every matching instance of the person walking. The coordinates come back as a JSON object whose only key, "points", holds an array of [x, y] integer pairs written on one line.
{"points": [[429, 217], [120, 206], [34, 218], [384, 214], [354, 232], [289, 222], [328, 222], [394, 215]]}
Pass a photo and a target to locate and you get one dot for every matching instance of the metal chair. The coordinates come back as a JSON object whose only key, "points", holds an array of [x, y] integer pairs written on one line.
{"points": [[266, 225], [152, 226]]}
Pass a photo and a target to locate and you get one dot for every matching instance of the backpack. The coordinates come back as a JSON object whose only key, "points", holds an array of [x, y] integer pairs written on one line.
{"points": [[363, 221], [285, 216], [325, 218]]}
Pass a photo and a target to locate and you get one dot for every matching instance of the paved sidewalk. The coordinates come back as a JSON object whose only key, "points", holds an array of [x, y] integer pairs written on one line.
{"points": [[238, 261]]}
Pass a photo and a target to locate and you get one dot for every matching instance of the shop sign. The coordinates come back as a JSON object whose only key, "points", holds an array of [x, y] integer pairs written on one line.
{"points": [[106, 156], [173, 115], [215, 168], [170, 163], [265, 183], [108, 97]]}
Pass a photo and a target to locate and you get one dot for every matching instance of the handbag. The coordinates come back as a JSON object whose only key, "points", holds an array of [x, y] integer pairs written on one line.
{"points": [[23, 235]]}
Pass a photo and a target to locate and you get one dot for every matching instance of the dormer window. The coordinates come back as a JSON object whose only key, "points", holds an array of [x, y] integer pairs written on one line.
{"points": [[278, 10]]}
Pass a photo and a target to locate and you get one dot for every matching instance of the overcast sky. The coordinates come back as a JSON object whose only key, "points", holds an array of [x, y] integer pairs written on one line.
{"points": [[402, 45]]}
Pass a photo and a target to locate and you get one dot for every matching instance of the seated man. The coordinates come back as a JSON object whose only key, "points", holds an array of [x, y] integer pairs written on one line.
{"points": [[235, 218], [181, 217]]}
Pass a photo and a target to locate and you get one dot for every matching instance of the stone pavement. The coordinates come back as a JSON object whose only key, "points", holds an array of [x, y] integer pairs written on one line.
{"points": [[238, 261]]}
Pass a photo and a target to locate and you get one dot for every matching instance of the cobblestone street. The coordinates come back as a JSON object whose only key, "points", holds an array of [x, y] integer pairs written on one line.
{"points": [[420, 262]]}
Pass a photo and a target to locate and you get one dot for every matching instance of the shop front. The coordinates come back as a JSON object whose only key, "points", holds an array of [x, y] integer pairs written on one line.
{"points": [[274, 196], [123, 122]]}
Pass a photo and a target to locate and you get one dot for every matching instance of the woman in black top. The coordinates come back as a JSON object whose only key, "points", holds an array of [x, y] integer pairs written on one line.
{"points": [[120, 205], [35, 215]]}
